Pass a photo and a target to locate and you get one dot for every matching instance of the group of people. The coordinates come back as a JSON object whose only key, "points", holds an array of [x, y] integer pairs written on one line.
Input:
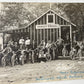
{"points": [[77, 50], [24, 43], [21, 44], [59, 45]]}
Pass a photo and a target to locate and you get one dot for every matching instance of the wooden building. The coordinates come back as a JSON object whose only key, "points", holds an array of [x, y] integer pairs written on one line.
{"points": [[48, 27]]}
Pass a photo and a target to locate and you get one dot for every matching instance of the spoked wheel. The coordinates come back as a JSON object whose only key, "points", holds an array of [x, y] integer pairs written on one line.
{"points": [[3, 61], [80, 54], [73, 57], [48, 57]]}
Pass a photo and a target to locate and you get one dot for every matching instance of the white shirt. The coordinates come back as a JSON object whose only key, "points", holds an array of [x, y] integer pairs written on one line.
{"points": [[21, 41], [48, 45], [27, 42]]}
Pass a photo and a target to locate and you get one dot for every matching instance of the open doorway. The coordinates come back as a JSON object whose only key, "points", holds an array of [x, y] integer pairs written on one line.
{"points": [[65, 33]]}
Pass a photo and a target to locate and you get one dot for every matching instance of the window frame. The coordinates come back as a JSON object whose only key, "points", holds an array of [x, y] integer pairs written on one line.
{"points": [[53, 19]]}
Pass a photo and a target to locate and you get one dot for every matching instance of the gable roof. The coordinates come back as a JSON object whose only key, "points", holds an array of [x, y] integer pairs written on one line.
{"points": [[50, 10], [54, 13]]}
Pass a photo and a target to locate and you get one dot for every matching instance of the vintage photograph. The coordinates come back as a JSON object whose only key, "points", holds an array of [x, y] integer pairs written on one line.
{"points": [[41, 42]]}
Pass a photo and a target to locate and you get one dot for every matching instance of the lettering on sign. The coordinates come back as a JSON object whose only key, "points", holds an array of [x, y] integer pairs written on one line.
{"points": [[48, 26]]}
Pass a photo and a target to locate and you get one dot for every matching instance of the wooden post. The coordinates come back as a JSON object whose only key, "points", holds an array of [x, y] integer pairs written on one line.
{"points": [[30, 32], [27, 29], [37, 36], [56, 19], [63, 22], [40, 35], [53, 35], [74, 37], [50, 35], [44, 33], [71, 35], [47, 35], [34, 30], [57, 33], [60, 31]]}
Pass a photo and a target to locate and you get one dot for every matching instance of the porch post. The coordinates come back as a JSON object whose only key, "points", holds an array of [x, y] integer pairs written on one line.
{"points": [[50, 35], [57, 33], [37, 36], [44, 34], [47, 35], [71, 35], [53, 35], [60, 31]]}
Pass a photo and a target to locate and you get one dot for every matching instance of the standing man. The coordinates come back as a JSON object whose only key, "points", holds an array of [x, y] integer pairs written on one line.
{"points": [[60, 42], [27, 43], [33, 44], [21, 43]]}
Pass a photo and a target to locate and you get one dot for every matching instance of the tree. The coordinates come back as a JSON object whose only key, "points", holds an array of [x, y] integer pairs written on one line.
{"points": [[75, 11]]}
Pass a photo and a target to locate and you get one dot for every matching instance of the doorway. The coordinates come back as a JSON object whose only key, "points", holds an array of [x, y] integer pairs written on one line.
{"points": [[65, 33]]}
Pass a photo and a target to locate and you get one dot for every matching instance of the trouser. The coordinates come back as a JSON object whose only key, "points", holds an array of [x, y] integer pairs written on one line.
{"points": [[27, 47], [21, 46]]}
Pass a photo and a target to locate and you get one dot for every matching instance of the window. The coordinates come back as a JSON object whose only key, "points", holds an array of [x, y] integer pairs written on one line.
{"points": [[50, 18]]}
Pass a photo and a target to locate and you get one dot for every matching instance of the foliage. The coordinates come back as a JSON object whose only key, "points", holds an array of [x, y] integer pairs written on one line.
{"points": [[21, 14]]}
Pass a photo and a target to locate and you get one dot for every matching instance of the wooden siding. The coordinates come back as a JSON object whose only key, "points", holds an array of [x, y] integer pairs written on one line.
{"points": [[43, 34]]}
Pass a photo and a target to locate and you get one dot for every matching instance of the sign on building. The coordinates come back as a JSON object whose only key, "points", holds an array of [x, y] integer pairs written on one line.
{"points": [[48, 26]]}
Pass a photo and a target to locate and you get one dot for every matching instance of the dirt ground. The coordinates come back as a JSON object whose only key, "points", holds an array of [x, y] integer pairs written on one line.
{"points": [[44, 71]]}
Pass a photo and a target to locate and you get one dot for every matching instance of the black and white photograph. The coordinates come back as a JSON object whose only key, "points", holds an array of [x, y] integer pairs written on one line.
{"points": [[41, 42]]}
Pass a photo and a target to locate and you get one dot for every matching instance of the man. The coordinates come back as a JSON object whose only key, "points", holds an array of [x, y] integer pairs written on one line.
{"points": [[10, 42], [60, 42], [48, 44], [16, 47], [34, 44], [21, 43], [7, 49], [27, 43], [7, 54]]}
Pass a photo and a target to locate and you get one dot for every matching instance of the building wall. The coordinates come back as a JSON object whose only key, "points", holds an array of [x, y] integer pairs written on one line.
{"points": [[43, 34]]}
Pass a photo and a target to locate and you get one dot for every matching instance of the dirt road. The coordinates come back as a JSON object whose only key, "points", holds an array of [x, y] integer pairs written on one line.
{"points": [[49, 71]]}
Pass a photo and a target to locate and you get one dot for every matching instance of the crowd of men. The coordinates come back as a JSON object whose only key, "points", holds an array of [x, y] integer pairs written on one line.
{"points": [[28, 44], [63, 48], [21, 44]]}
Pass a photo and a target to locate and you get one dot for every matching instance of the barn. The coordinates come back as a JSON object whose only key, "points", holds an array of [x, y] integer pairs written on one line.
{"points": [[48, 27]]}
